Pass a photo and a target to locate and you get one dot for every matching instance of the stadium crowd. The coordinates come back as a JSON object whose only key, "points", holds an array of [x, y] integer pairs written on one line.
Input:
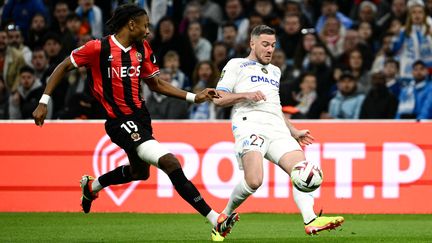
{"points": [[339, 59]]}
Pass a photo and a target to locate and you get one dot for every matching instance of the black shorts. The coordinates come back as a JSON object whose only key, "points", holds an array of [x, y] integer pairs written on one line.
{"points": [[129, 132]]}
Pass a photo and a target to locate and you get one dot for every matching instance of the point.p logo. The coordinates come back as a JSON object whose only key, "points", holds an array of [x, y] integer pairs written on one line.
{"points": [[106, 157]]}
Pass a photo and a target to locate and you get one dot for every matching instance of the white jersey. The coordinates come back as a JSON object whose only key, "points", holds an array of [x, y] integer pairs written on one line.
{"points": [[257, 126], [242, 75]]}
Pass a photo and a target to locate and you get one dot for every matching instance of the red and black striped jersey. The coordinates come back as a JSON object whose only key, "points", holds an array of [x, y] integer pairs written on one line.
{"points": [[114, 72]]}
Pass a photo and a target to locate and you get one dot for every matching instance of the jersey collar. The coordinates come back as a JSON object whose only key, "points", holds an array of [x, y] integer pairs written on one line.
{"points": [[125, 49]]}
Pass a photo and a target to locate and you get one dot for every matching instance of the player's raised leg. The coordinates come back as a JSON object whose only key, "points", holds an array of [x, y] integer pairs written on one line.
{"points": [[154, 153], [252, 162], [137, 170], [305, 201]]}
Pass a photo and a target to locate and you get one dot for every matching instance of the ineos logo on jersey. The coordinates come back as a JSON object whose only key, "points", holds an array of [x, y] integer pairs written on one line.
{"points": [[122, 72]]}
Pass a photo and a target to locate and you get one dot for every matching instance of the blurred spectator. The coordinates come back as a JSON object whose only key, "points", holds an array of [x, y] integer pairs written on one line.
{"points": [[304, 99], [53, 49], [11, 62], [3, 46], [159, 9], [79, 103], [212, 11], [193, 14], [330, 8], [414, 42], [383, 53], [23, 102], [229, 35], [332, 35], [413, 96], [91, 16], [391, 73], [351, 41], [395, 27], [348, 101], [71, 34], [308, 10], [201, 46], [290, 36], [398, 12], [21, 12], [426, 111], [82, 39], [166, 39], [428, 6], [302, 51], [40, 65], [379, 103], [234, 15], [171, 61], [367, 35], [15, 39], [279, 60], [303, 9], [367, 11], [204, 76], [4, 100], [359, 70], [38, 29], [254, 20], [267, 10], [319, 64], [61, 11], [163, 107], [219, 55]]}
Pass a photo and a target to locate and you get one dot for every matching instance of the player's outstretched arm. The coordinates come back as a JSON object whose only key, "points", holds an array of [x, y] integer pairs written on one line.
{"points": [[229, 99], [163, 87], [41, 110], [303, 137]]}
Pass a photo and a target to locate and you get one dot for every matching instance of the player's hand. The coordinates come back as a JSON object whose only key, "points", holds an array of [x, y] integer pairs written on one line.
{"points": [[303, 137], [255, 96], [39, 114], [207, 94]]}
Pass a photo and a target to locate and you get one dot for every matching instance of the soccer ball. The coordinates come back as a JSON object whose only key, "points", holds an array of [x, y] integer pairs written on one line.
{"points": [[306, 176]]}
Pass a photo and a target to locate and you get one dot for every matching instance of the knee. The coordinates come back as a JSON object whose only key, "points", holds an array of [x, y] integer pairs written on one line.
{"points": [[168, 163], [254, 183], [140, 175]]}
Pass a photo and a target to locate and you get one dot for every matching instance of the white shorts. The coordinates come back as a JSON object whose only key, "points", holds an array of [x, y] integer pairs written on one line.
{"points": [[271, 139]]}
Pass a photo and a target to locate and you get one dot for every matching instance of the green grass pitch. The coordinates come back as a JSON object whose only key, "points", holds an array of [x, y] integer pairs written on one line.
{"points": [[134, 227]]}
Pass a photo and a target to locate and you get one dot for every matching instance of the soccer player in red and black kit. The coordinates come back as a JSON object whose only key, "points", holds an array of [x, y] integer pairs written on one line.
{"points": [[116, 64]]}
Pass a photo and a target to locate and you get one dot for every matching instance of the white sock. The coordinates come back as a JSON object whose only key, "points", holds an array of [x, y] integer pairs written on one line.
{"points": [[238, 196], [212, 217], [305, 203], [96, 186]]}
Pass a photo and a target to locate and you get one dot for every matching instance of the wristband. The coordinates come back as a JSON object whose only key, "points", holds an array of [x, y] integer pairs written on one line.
{"points": [[44, 99], [190, 97]]}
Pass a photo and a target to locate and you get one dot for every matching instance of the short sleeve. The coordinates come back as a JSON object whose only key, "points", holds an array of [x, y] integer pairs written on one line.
{"points": [[85, 54], [149, 68], [228, 77]]}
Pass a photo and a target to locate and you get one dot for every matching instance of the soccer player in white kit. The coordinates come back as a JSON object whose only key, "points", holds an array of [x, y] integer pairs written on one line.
{"points": [[251, 84]]}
